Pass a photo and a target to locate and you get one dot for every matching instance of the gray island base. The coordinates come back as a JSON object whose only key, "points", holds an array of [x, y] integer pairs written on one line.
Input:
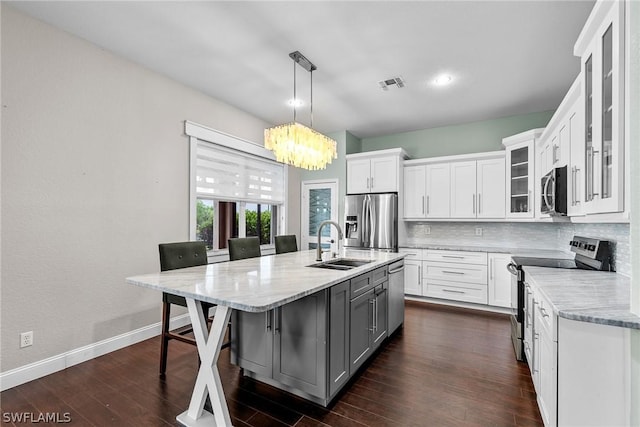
{"points": [[304, 330]]}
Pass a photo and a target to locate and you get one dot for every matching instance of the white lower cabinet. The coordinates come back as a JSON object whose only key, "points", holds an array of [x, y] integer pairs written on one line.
{"points": [[581, 371], [594, 374], [455, 275], [499, 280], [412, 271], [475, 277], [546, 359]]}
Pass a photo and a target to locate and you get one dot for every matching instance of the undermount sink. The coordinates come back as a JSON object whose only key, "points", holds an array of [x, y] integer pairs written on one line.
{"points": [[341, 263]]}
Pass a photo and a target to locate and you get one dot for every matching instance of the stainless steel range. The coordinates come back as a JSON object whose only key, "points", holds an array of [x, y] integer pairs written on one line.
{"points": [[590, 254]]}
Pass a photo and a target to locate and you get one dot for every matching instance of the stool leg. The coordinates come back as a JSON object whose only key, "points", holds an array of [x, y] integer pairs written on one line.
{"points": [[166, 316]]}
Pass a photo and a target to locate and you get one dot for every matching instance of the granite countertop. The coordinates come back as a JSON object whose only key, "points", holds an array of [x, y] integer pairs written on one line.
{"points": [[259, 284], [588, 296], [541, 253]]}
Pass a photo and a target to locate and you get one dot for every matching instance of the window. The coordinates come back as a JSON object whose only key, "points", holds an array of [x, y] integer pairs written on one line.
{"points": [[234, 193]]}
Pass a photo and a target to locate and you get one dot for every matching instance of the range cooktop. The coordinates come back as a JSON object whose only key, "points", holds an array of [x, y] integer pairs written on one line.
{"points": [[520, 261]]}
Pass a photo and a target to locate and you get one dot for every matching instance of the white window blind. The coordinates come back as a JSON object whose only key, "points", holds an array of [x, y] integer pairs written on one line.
{"points": [[223, 173]]}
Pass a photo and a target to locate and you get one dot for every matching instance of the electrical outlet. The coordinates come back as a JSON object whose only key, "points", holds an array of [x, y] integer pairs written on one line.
{"points": [[26, 339], [478, 231], [427, 230]]}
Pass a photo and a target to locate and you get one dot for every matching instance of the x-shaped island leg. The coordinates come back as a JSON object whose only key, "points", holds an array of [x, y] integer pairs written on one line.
{"points": [[208, 380]]}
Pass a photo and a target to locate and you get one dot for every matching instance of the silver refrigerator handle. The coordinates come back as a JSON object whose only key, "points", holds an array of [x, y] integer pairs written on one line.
{"points": [[372, 221], [364, 231]]}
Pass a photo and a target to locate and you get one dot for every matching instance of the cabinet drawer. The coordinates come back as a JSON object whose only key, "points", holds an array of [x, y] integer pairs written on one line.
{"points": [[380, 274], [457, 291], [456, 256], [467, 273], [412, 254], [361, 284]]}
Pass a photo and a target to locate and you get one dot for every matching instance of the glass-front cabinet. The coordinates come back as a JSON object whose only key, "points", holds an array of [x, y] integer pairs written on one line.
{"points": [[601, 49], [520, 174]]}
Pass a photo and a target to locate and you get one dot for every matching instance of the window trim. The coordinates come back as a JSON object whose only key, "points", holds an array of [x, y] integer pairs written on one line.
{"points": [[197, 132]]}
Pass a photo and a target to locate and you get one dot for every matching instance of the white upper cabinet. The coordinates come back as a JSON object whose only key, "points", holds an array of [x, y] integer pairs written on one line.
{"points": [[478, 189], [426, 191], [520, 172], [600, 47], [438, 190], [466, 186], [415, 191], [463, 190], [490, 188], [375, 171]]}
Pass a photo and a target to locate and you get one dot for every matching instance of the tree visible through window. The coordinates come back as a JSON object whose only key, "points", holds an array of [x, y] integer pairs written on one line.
{"points": [[218, 221]]}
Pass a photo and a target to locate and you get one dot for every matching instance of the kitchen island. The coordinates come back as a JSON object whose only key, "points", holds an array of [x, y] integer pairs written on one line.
{"points": [[261, 285]]}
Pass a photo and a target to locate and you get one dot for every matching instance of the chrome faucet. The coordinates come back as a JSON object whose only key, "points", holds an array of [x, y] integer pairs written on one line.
{"points": [[322, 224]]}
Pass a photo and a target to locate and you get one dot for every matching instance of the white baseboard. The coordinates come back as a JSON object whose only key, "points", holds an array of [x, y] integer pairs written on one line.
{"points": [[41, 368]]}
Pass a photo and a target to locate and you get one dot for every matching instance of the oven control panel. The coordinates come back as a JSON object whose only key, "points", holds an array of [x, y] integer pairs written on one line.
{"points": [[590, 249]]}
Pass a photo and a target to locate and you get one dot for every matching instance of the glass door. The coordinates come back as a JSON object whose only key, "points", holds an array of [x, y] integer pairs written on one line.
{"points": [[606, 163], [519, 165], [319, 203]]}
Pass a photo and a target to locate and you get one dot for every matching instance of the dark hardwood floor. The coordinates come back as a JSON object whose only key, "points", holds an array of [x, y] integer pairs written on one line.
{"points": [[446, 367]]}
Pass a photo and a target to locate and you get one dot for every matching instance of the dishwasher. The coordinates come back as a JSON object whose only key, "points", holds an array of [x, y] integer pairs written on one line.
{"points": [[396, 296]]}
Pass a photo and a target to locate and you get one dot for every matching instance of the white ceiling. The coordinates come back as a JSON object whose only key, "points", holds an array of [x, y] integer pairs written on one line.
{"points": [[506, 57]]}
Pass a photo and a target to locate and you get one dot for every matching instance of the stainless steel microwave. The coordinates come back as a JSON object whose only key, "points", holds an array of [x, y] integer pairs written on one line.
{"points": [[554, 192]]}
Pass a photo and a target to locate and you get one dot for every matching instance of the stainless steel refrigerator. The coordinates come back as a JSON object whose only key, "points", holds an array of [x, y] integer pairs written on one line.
{"points": [[371, 221]]}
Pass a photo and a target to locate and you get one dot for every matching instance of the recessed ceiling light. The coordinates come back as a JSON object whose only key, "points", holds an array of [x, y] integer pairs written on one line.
{"points": [[443, 80], [295, 102]]}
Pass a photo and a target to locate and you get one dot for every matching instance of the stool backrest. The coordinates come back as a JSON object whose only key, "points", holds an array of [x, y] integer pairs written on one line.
{"points": [[182, 255], [286, 243], [244, 247]]}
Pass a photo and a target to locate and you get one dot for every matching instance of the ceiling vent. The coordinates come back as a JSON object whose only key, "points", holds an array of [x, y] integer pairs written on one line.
{"points": [[393, 81]]}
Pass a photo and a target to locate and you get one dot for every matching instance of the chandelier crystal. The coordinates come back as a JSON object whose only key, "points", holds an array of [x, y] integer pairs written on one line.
{"points": [[296, 144]]}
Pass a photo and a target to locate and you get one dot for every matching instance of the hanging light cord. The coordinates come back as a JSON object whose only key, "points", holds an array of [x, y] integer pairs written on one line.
{"points": [[295, 100], [311, 100]]}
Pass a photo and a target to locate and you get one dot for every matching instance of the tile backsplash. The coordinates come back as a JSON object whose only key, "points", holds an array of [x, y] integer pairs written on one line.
{"points": [[554, 236]]}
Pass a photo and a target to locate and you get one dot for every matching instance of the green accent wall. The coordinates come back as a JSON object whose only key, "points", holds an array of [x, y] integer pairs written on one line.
{"points": [[474, 137]]}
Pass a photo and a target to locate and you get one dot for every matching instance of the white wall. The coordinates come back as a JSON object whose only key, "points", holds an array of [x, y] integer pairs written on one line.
{"points": [[94, 175]]}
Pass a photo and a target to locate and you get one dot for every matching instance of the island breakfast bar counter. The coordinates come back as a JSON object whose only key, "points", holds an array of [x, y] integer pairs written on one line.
{"points": [[253, 285]]}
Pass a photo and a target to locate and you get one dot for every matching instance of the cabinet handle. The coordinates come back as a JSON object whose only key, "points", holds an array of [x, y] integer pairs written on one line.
{"points": [[422, 205], [544, 312], [535, 337], [375, 314], [427, 205], [491, 269], [474, 204], [479, 204], [453, 292], [276, 320], [267, 316], [372, 303], [419, 275], [555, 153], [453, 272], [452, 256], [573, 185], [367, 183], [577, 200]]}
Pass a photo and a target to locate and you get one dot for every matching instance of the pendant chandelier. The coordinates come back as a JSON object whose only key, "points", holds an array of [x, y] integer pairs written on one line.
{"points": [[296, 144]]}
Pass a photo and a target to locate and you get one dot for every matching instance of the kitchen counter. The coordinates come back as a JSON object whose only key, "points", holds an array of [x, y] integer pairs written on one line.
{"points": [[542, 253], [588, 296], [259, 284]]}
